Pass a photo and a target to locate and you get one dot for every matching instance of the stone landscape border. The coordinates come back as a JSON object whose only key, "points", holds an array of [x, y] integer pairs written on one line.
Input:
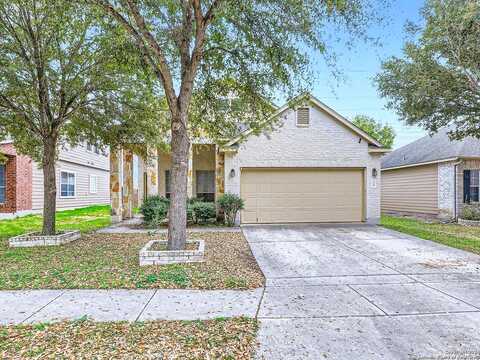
{"points": [[36, 239], [163, 257], [465, 222]]}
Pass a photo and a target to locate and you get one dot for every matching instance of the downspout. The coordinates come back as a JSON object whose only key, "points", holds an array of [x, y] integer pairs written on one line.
{"points": [[455, 215]]}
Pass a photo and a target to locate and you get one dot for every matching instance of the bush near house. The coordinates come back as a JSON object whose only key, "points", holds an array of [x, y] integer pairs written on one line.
{"points": [[203, 211], [155, 211], [471, 212], [230, 204]]}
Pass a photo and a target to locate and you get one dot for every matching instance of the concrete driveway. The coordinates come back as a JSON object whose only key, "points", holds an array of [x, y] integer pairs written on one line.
{"points": [[364, 292]]}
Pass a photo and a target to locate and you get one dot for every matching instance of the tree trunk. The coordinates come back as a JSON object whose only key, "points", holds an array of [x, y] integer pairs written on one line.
{"points": [[177, 222], [49, 187]]}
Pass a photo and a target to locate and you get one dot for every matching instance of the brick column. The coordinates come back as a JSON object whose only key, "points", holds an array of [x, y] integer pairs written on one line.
{"points": [[190, 173], [116, 185], [152, 171], [127, 193], [219, 172]]}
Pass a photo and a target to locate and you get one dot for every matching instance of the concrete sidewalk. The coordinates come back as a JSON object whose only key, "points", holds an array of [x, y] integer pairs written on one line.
{"points": [[35, 306], [129, 227]]}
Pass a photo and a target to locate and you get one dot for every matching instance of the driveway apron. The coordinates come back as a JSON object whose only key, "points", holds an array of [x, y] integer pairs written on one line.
{"points": [[363, 292]]}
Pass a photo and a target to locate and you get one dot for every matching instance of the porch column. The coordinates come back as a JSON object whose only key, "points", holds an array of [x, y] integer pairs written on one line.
{"points": [[190, 173], [219, 172], [115, 186], [127, 193], [152, 172]]}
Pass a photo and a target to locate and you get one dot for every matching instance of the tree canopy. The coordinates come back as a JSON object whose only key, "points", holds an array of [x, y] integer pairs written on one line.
{"points": [[437, 81], [220, 63], [384, 134], [63, 80]]}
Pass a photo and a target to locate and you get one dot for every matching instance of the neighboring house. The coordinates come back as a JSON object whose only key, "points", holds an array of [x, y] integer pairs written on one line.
{"points": [[82, 179], [315, 167], [432, 176]]}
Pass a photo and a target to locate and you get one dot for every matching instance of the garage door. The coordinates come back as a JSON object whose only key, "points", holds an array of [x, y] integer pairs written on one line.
{"points": [[302, 195]]}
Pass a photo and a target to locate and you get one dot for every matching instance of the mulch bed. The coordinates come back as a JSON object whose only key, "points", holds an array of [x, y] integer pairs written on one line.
{"points": [[110, 261], [212, 339]]}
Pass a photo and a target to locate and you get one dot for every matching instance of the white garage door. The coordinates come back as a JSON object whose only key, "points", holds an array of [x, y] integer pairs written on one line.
{"points": [[302, 195]]}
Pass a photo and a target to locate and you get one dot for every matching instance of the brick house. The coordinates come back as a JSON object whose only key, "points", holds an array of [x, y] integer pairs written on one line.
{"points": [[315, 166], [15, 181]]}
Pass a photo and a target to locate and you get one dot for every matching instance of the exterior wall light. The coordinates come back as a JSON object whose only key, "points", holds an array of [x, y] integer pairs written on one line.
{"points": [[232, 173], [374, 172]]}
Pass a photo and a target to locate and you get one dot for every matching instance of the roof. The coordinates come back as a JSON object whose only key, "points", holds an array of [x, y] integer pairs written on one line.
{"points": [[430, 149], [310, 98]]}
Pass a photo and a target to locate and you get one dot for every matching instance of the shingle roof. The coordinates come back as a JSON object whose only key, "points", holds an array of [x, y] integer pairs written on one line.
{"points": [[432, 148]]}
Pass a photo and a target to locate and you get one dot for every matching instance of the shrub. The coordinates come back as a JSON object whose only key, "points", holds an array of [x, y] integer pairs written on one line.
{"points": [[203, 211], [193, 200], [230, 204], [471, 212], [190, 213], [155, 209]]}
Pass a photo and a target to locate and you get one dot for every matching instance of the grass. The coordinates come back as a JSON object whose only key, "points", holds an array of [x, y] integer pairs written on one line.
{"points": [[109, 261], [84, 219], [221, 338], [454, 235]]}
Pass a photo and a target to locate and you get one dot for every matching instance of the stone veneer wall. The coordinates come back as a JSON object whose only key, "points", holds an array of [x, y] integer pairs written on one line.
{"points": [[446, 189]]}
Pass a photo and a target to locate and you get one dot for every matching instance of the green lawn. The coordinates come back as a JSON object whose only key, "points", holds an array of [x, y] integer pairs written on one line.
{"points": [[458, 236], [84, 219]]}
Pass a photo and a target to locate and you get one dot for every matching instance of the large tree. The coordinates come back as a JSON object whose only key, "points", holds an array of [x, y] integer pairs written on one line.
{"points": [[60, 84], [383, 133], [437, 81], [220, 61]]}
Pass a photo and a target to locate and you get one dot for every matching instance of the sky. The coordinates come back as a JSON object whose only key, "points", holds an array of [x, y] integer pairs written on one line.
{"points": [[356, 93]]}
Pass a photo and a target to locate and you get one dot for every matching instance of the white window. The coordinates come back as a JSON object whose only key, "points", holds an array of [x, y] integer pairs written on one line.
{"points": [[67, 184], [3, 183], [93, 184], [303, 117]]}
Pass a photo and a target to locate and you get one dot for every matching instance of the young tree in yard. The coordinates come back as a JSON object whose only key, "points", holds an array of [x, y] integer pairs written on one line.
{"points": [[219, 62], [60, 85], [383, 133], [437, 81]]}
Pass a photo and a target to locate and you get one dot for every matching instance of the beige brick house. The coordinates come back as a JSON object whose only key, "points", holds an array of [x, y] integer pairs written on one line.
{"points": [[316, 166]]}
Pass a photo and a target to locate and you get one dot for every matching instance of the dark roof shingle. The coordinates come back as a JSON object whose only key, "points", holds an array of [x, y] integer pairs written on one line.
{"points": [[432, 148]]}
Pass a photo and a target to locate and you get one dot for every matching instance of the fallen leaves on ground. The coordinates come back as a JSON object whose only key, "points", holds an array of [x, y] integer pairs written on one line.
{"points": [[109, 261], [211, 339]]}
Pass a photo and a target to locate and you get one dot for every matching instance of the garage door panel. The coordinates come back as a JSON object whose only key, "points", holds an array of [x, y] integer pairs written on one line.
{"points": [[302, 195]]}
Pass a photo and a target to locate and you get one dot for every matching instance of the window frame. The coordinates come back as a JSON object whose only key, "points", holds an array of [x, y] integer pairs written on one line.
{"points": [[298, 112], [168, 184], [211, 195], [74, 184], [477, 185], [3, 187], [90, 177]]}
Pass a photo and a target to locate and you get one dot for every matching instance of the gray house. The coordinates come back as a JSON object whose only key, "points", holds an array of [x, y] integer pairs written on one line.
{"points": [[432, 176]]}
